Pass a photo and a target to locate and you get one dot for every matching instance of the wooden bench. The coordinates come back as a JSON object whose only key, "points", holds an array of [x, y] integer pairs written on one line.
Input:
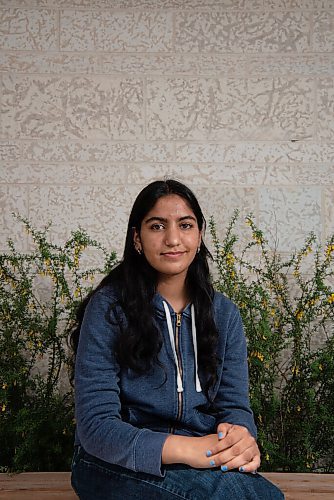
{"points": [[56, 485]]}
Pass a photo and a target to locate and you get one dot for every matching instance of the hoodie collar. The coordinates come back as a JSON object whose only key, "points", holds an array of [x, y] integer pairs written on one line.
{"points": [[158, 301]]}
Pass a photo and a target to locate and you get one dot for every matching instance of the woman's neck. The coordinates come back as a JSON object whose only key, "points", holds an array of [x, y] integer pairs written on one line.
{"points": [[173, 289]]}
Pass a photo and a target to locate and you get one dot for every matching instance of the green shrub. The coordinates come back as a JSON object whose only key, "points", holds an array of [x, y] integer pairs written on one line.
{"points": [[288, 317], [39, 294], [287, 309]]}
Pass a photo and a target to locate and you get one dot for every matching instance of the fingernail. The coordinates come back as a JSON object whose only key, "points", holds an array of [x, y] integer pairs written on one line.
{"points": [[241, 469], [209, 453], [254, 472], [224, 468], [220, 435], [212, 462]]}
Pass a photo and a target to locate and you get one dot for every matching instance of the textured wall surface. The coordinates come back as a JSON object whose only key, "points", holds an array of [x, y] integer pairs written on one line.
{"points": [[233, 97]]}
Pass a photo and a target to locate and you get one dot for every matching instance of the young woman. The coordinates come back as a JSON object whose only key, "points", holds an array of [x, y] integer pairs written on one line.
{"points": [[161, 380]]}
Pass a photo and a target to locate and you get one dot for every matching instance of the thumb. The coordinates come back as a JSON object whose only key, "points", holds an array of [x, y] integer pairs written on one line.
{"points": [[223, 429]]}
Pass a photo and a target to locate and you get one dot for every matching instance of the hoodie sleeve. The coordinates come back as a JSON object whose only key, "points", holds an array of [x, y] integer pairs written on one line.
{"points": [[100, 428], [232, 399]]}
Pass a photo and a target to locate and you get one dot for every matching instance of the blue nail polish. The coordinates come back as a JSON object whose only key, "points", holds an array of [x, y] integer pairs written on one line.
{"points": [[209, 453], [241, 469], [220, 435], [224, 468], [212, 462]]}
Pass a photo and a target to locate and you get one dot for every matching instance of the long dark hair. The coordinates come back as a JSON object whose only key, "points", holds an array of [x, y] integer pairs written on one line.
{"points": [[140, 342]]}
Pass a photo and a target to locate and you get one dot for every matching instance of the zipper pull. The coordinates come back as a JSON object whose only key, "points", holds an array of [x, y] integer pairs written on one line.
{"points": [[178, 319]]}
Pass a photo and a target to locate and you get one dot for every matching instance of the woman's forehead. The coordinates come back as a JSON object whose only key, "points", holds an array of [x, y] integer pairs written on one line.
{"points": [[171, 205]]}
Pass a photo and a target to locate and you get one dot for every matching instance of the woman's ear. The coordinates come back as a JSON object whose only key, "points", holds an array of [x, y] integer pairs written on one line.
{"points": [[136, 240]]}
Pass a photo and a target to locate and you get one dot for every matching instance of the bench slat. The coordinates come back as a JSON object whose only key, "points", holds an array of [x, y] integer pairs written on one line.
{"points": [[56, 486]]}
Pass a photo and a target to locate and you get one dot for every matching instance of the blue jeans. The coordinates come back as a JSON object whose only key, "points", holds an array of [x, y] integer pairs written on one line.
{"points": [[94, 479]]}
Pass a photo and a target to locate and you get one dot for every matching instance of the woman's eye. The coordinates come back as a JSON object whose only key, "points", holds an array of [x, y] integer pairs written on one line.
{"points": [[186, 225], [157, 227]]}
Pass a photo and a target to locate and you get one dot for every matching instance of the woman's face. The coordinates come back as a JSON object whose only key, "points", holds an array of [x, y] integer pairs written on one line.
{"points": [[169, 236]]}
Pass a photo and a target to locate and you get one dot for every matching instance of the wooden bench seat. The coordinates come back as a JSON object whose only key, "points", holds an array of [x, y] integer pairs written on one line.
{"points": [[56, 485]]}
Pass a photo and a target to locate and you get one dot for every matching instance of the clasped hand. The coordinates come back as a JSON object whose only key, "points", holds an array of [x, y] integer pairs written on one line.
{"points": [[233, 447]]}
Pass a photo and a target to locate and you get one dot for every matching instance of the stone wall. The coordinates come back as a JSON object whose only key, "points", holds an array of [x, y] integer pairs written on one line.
{"points": [[233, 97]]}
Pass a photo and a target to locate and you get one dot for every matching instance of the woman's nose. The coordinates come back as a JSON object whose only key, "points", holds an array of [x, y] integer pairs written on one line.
{"points": [[172, 236]]}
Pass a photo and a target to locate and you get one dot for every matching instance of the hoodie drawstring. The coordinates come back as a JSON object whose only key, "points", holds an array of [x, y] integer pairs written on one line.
{"points": [[172, 343], [193, 331]]}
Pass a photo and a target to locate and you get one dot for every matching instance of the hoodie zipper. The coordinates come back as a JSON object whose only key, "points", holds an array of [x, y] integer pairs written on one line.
{"points": [[178, 352]]}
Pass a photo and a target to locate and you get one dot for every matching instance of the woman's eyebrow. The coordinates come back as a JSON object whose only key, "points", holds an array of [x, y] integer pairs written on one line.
{"points": [[162, 219]]}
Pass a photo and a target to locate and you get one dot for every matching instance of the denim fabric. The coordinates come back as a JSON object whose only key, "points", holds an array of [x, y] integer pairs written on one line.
{"points": [[123, 418], [94, 479]]}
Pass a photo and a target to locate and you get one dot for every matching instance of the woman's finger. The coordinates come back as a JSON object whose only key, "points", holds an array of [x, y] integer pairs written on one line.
{"points": [[230, 457], [223, 429], [244, 463], [251, 466], [235, 441]]}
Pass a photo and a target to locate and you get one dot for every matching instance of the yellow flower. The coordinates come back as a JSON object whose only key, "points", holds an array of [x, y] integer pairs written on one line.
{"points": [[299, 408], [258, 355], [64, 431], [331, 298], [295, 370], [257, 238], [39, 344], [3, 407], [4, 385], [307, 251], [267, 457], [296, 273], [329, 250], [320, 367], [77, 292], [299, 314], [230, 259], [248, 221], [260, 419]]}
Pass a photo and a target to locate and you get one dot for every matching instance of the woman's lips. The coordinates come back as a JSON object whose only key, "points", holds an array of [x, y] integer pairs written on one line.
{"points": [[173, 255]]}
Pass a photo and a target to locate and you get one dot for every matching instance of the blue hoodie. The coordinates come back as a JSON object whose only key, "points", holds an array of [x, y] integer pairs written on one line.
{"points": [[124, 418]]}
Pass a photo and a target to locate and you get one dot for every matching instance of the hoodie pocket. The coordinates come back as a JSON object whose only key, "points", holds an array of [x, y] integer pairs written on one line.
{"points": [[142, 419]]}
